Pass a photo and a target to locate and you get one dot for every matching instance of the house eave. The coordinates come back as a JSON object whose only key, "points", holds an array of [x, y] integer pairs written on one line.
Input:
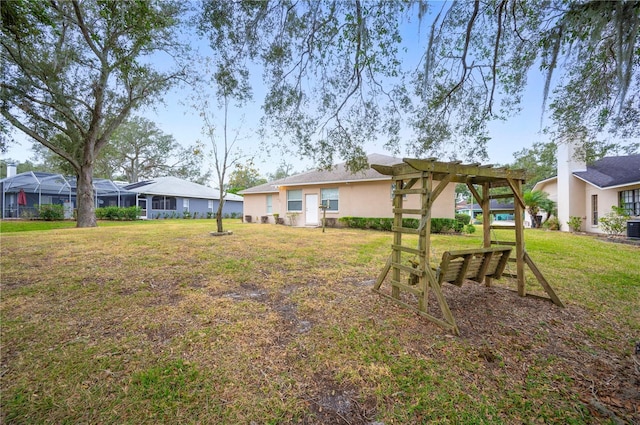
{"points": [[545, 181], [384, 178], [617, 186]]}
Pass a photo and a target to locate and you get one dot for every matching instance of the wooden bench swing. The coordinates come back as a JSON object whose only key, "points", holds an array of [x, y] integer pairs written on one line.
{"points": [[428, 178]]}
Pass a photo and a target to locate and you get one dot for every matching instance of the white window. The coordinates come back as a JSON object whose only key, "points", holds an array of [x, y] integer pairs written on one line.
{"points": [[294, 200], [330, 198], [269, 204], [185, 204], [210, 204], [630, 201]]}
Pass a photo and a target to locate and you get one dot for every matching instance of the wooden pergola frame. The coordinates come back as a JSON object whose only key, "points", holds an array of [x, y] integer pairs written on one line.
{"points": [[428, 178]]}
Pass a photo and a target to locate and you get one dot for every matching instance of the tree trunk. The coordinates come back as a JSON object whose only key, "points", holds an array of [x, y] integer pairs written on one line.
{"points": [[85, 198], [219, 213]]}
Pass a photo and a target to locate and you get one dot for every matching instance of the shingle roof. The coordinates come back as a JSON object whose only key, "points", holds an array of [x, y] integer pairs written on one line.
{"points": [[173, 186], [338, 174], [612, 171]]}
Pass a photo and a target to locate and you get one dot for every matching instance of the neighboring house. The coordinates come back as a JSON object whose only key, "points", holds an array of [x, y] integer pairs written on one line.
{"points": [[589, 191], [297, 199], [504, 210], [158, 198], [21, 193], [164, 197]]}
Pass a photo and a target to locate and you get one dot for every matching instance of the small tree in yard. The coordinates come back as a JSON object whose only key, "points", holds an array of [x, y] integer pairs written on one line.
{"points": [[224, 156], [615, 222], [231, 85]]}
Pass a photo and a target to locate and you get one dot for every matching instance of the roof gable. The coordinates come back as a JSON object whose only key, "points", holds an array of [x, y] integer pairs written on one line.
{"points": [[338, 174], [612, 171]]}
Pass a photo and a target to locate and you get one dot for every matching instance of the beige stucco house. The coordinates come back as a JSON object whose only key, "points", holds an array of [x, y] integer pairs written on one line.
{"points": [[297, 199], [589, 191]]}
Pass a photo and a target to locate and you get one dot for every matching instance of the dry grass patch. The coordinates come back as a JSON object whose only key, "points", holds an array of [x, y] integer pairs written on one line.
{"points": [[163, 323]]}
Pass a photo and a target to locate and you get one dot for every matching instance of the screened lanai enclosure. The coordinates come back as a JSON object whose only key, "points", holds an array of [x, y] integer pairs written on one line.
{"points": [[24, 192]]}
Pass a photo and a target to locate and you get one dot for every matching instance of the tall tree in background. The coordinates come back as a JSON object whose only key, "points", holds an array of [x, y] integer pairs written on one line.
{"points": [[284, 170], [337, 77], [243, 177], [74, 70], [539, 162], [140, 150], [21, 167]]}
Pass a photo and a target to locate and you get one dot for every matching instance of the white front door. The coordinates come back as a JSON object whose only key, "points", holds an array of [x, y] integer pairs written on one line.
{"points": [[311, 209]]}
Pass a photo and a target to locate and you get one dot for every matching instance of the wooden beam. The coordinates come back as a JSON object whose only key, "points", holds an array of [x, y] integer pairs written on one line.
{"points": [[462, 169], [383, 273], [410, 211], [408, 250], [386, 170], [516, 188], [452, 327], [406, 288], [438, 190], [545, 285], [475, 193]]}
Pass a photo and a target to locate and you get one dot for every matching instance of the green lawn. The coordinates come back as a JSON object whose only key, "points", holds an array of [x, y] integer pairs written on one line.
{"points": [[159, 322]]}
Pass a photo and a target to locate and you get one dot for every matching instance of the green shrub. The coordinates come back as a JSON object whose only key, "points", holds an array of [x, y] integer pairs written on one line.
{"points": [[615, 222], [438, 225], [552, 224], [411, 223], [443, 225], [132, 213], [575, 223], [470, 228], [461, 221], [51, 212], [119, 213], [464, 218]]}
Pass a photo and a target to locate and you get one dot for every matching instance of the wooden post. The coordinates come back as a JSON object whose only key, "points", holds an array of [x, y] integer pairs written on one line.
{"points": [[518, 216], [486, 216], [324, 207], [424, 239], [397, 237], [486, 222]]}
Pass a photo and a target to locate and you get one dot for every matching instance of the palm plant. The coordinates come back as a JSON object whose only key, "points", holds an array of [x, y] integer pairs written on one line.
{"points": [[534, 201], [549, 207]]}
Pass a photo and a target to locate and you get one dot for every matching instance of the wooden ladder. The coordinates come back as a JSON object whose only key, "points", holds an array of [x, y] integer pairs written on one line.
{"points": [[415, 278]]}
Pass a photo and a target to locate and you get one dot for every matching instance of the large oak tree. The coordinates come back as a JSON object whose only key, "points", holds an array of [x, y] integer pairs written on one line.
{"points": [[74, 70]]}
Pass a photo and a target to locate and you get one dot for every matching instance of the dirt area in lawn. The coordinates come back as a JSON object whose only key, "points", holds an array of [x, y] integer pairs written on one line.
{"points": [[496, 319], [507, 332]]}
